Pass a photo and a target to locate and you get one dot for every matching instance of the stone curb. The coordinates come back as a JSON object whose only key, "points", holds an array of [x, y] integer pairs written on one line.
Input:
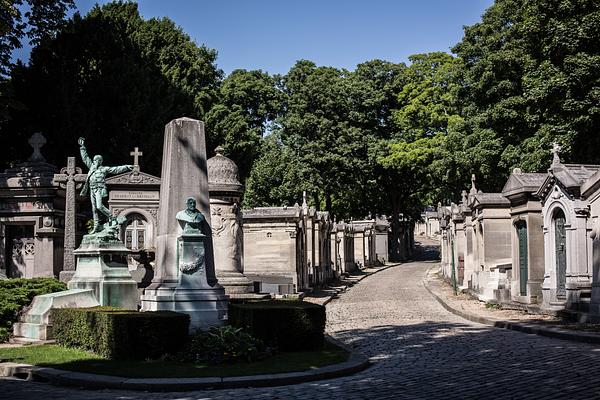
{"points": [[355, 363], [355, 281], [553, 332]]}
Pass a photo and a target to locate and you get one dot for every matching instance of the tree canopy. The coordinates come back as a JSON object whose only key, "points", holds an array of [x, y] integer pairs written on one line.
{"points": [[383, 139], [116, 79]]}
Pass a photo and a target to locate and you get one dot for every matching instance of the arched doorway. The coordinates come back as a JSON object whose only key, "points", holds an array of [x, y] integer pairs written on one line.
{"points": [[136, 232], [560, 250], [523, 260]]}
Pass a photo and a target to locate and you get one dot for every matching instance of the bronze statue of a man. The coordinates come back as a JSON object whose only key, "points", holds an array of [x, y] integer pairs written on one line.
{"points": [[95, 183], [191, 218]]}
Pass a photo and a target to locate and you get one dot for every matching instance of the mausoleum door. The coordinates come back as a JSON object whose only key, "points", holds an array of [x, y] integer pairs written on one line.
{"points": [[20, 250], [560, 239], [523, 261], [136, 232]]}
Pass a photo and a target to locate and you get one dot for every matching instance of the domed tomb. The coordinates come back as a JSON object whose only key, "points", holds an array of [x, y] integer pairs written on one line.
{"points": [[226, 222], [223, 175]]}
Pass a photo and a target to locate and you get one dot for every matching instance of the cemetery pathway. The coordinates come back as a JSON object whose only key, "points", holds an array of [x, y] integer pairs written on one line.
{"points": [[418, 350]]}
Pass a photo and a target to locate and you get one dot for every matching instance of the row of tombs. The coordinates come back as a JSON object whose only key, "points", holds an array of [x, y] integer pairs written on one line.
{"points": [[274, 250], [534, 245]]}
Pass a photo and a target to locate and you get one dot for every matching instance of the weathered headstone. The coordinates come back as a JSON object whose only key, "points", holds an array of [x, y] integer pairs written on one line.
{"points": [[70, 178], [37, 141], [184, 176]]}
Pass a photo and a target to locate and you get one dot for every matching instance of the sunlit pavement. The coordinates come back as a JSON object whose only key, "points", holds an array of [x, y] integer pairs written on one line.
{"points": [[418, 350]]}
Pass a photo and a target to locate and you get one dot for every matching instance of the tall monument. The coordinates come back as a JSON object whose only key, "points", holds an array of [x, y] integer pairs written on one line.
{"points": [[226, 222], [102, 257], [185, 279]]}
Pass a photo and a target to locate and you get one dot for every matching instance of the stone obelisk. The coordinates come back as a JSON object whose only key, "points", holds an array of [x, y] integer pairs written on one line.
{"points": [[184, 176]]}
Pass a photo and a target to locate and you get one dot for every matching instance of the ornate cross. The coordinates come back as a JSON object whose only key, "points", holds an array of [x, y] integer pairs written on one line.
{"points": [[556, 150], [37, 140], [136, 153], [71, 179]]}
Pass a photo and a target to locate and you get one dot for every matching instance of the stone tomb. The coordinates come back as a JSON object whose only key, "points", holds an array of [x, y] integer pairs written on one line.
{"points": [[342, 238], [567, 241], [135, 196], [527, 236], [274, 243], [492, 251], [31, 218]]}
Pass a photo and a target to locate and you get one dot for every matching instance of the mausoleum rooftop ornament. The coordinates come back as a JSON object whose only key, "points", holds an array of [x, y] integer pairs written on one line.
{"points": [[223, 174], [556, 150]]}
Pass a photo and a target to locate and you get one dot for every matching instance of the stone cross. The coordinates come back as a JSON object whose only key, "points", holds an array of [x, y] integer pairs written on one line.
{"points": [[473, 190], [71, 179], [37, 140], [556, 150], [136, 153]]}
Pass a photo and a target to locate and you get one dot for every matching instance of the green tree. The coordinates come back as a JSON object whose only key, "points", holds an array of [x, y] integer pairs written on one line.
{"points": [[427, 103], [248, 104], [531, 76], [275, 176], [116, 79], [41, 21]]}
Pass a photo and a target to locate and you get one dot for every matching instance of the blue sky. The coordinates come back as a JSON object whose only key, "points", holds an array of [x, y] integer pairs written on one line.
{"points": [[271, 35]]}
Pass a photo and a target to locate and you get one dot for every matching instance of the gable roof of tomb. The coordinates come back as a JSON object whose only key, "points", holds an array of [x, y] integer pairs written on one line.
{"points": [[482, 200], [272, 212], [134, 178], [519, 183], [569, 176], [591, 185]]}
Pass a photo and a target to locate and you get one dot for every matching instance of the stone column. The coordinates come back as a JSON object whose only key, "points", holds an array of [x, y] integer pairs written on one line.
{"points": [[184, 175], [225, 193], [69, 178]]}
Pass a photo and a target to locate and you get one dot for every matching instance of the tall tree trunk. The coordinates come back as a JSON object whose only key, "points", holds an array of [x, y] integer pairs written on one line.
{"points": [[328, 202]]}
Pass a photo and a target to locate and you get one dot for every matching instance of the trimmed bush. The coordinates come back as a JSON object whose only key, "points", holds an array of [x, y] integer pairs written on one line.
{"points": [[18, 293], [284, 324], [223, 344], [121, 334]]}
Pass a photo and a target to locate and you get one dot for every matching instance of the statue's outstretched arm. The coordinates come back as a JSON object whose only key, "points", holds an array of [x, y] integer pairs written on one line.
{"points": [[119, 169]]}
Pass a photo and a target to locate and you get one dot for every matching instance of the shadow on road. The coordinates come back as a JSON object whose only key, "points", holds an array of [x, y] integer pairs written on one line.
{"points": [[455, 361], [426, 250]]}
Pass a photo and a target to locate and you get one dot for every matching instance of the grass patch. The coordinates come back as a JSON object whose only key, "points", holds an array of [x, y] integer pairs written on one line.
{"points": [[55, 356], [493, 306]]}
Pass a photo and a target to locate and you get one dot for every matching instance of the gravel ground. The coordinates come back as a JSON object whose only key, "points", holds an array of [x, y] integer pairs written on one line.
{"points": [[418, 350]]}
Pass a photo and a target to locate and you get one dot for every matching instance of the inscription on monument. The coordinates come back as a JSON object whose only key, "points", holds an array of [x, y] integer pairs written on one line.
{"points": [[133, 195]]}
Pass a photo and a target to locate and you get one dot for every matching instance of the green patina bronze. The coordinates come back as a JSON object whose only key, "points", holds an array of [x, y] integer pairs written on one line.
{"points": [[106, 227], [191, 247]]}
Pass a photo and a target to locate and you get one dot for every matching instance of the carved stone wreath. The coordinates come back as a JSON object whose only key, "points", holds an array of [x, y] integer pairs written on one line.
{"points": [[196, 265]]}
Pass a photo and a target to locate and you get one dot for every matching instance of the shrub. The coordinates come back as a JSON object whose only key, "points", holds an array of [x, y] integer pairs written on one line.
{"points": [[18, 293], [287, 325], [121, 334], [223, 344]]}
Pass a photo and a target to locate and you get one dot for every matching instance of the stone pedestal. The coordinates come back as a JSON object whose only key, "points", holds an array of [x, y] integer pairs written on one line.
{"points": [[205, 304], [103, 268], [35, 323]]}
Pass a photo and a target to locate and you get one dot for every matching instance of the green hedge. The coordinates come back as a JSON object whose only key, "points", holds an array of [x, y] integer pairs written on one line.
{"points": [[288, 325], [121, 334], [18, 293]]}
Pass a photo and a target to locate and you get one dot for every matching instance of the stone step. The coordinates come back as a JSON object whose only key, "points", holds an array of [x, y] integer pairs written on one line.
{"points": [[27, 341], [31, 331]]}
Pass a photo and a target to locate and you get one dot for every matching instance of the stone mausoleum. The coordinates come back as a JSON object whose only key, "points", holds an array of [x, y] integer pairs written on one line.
{"points": [[32, 210]]}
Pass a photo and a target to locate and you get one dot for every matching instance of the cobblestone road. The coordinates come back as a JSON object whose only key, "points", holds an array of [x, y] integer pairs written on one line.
{"points": [[418, 350]]}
